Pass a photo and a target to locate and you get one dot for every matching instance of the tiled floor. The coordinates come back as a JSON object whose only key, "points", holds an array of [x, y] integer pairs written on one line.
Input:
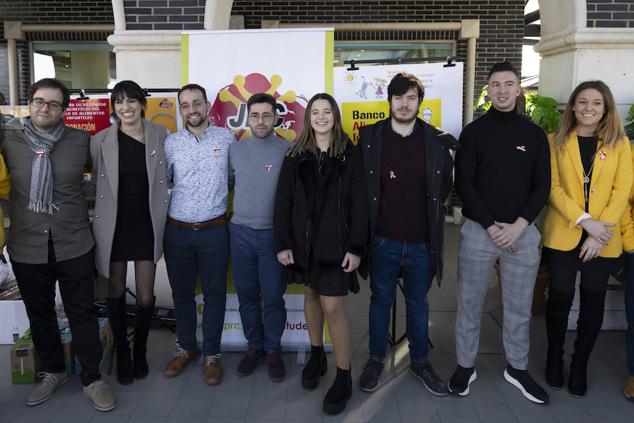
{"points": [[400, 398]]}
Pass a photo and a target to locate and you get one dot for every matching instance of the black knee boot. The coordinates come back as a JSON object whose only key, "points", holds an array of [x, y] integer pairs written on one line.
{"points": [[315, 368], [116, 316], [591, 306], [339, 393], [142, 326], [557, 310]]}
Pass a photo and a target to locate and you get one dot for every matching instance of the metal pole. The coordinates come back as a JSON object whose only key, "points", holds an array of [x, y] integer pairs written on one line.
{"points": [[12, 56]]}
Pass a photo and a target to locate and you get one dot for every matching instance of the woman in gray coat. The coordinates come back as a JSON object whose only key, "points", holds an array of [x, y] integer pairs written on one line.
{"points": [[131, 202]]}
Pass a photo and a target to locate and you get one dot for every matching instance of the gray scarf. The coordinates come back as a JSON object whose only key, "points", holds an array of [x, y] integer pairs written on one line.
{"points": [[41, 193]]}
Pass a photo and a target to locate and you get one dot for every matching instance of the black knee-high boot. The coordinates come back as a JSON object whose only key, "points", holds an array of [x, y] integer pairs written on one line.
{"points": [[557, 310], [116, 316], [589, 324], [142, 326], [339, 393]]}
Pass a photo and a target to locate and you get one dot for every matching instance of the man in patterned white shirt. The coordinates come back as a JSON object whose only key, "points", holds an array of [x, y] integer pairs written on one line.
{"points": [[196, 239]]}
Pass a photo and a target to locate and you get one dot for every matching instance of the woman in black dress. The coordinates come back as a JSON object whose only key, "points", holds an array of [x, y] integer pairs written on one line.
{"points": [[130, 211], [321, 227], [591, 169]]}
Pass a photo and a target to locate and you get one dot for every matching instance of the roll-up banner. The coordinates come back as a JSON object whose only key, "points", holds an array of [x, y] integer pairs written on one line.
{"points": [[290, 64]]}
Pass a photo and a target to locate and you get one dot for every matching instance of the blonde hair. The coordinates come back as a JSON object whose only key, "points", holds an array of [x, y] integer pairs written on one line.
{"points": [[609, 130], [306, 141]]}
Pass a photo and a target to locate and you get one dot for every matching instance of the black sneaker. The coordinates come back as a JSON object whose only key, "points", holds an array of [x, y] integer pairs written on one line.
{"points": [[277, 370], [369, 380], [250, 361], [525, 383], [462, 378], [425, 372]]}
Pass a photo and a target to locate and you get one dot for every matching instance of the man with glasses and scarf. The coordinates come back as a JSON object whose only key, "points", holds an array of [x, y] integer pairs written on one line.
{"points": [[50, 240]]}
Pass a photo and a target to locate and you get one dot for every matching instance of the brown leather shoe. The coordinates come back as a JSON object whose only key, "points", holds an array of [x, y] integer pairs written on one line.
{"points": [[179, 362], [628, 389], [212, 370]]}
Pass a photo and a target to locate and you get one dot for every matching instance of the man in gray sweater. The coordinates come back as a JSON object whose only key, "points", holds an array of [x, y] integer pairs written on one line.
{"points": [[255, 163]]}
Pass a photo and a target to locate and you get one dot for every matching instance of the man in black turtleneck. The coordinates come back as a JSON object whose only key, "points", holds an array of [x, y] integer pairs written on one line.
{"points": [[503, 180]]}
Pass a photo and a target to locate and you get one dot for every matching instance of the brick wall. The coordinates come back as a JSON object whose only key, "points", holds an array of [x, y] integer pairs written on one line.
{"points": [[47, 12], [501, 21], [610, 13], [164, 14]]}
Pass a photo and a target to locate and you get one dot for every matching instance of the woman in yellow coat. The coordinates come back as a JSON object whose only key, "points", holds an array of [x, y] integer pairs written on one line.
{"points": [[591, 166], [627, 232], [5, 187]]}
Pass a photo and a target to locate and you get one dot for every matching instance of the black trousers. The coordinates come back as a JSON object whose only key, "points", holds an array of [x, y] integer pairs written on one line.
{"points": [[76, 284], [561, 293]]}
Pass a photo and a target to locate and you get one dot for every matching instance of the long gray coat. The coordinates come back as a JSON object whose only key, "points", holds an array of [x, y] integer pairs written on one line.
{"points": [[104, 150]]}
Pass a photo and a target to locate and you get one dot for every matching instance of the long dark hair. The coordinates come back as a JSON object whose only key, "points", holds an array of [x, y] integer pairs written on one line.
{"points": [[306, 141]]}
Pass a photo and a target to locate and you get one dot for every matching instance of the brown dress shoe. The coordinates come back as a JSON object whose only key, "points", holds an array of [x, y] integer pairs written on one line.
{"points": [[212, 370], [179, 362], [628, 389]]}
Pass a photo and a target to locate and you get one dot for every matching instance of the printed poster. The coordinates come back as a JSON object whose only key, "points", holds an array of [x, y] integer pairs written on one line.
{"points": [[362, 95]]}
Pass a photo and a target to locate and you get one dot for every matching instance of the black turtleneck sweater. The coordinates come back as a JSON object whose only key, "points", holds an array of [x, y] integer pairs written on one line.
{"points": [[502, 168]]}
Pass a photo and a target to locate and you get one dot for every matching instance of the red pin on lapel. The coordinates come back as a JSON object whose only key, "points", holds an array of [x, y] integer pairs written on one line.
{"points": [[602, 154]]}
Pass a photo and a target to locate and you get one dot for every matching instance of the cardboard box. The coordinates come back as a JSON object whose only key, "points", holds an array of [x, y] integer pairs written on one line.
{"points": [[25, 364], [13, 321]]}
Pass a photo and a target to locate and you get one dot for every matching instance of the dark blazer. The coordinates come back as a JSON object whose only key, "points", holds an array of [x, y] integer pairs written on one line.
{"points": [[104, 150], [321, 217], [438, 175]]}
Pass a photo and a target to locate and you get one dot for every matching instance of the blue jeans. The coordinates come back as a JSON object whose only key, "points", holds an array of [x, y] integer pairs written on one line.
{"points": [[387, 260], [260, 285], [191, 255], [629, 311]]}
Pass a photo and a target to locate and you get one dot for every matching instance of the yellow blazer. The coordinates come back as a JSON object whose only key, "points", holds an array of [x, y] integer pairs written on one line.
{"points": [[627, 221], [5, 187], [609, 191]]}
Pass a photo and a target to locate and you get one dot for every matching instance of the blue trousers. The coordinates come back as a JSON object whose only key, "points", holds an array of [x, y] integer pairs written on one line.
{"points": [[191, 255], [629, 311], [260, 285], [387, 260]]}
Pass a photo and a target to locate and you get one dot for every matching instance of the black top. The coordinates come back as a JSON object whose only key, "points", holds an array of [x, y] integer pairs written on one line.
{"points": [[502, 168], [402, 209], [133, 234], [587, 150]]}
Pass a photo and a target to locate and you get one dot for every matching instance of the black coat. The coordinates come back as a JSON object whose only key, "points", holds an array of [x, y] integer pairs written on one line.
{"points": [[321, 216], [438, 175]]}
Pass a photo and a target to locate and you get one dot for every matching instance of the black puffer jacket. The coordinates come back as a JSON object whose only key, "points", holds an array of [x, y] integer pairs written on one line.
{"points": [[438, 175], [321, 215]]}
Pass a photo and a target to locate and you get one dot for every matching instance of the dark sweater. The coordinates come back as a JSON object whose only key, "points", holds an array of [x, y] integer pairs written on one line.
{"points": [[402, 209], [502, 168]]}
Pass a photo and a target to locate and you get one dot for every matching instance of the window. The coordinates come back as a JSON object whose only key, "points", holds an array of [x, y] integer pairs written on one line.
{"points": [[77, 65], [383, 50]]}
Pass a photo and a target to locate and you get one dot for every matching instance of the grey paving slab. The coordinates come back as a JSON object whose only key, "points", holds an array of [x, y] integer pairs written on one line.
{"points": [[187, 420], [155, 405], [421, 410], [108, 418], [26, 417], [527, 412], [494, 412], [127, 402], [193, 405], [456, 412], [266, 408], [144, 419], [566, 413], [229, 407], [608, 413]]}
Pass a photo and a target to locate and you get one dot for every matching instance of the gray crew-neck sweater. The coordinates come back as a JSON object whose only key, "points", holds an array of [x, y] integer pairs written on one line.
{"points": [[255, 164]]}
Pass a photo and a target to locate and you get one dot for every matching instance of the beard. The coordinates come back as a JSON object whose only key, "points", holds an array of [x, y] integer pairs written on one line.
{"points": [[404, 119], [195, 124]]}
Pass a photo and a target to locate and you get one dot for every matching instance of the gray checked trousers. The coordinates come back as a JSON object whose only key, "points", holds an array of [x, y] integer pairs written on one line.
{"points": [[476, 257]]}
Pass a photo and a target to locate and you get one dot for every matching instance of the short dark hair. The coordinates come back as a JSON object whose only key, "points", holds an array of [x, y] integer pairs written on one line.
{"points": [[503, 67], [402, 82], [128, 89], [262, 98], [50, 83], [192, 87]]}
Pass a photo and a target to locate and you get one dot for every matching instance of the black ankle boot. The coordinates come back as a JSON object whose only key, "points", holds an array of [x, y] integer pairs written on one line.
{"points": [[116, 316], [578, 382], [141, 331], [339, 393], [315, 368], [555, 369]]}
